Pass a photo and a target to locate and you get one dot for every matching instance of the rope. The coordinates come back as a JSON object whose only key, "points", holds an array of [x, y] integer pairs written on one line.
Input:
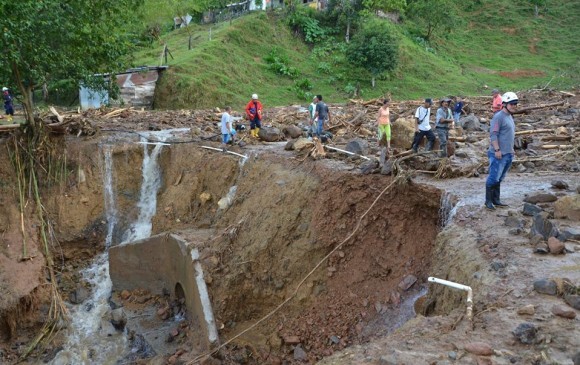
{"points": [[356, 228]]}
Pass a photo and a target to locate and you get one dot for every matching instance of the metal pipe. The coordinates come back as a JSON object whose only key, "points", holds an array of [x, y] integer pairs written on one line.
{"points": [[347, 152], [226, 151], [460, 287], [155, 143]]}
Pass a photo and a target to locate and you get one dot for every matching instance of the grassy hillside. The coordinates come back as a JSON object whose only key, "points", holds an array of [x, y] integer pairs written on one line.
{"points": [[499, 44]]}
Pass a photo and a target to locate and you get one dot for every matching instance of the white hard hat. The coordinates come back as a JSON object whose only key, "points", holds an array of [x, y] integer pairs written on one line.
{"points": [[4, 88], [255, 96], [509, 97]]}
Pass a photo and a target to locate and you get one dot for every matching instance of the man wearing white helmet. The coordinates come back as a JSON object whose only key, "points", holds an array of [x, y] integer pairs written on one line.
{"points": [[254, 114], [8, 107], [502, 132]]}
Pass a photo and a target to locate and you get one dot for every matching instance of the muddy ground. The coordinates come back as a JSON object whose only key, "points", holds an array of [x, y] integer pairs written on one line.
{"points": [[289, 212]]}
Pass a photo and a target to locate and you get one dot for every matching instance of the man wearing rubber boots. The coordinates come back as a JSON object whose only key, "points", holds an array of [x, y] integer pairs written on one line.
{"points": [[254, 115], [502, 133]]}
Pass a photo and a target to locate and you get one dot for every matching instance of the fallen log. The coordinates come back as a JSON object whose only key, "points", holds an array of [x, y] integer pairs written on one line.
{"points": [[525, 110], [535, 131], [556, 146], [9, 127], [557, 138], [59, 117]]}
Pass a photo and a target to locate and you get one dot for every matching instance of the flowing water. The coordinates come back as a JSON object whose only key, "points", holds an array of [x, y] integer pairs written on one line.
{"points": [[91, 338]]}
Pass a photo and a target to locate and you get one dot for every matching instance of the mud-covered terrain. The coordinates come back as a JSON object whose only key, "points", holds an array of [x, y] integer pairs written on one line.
{"points": [[268, 244]]}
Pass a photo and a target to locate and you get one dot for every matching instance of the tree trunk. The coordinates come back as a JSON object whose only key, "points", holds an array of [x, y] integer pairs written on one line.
{"points": [[26, 91], [347, 35], [189, 43], [373, 82], [536, 11]]}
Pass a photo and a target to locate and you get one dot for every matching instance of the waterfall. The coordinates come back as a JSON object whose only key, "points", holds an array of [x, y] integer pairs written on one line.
{"points": [[447, 209], [90, 338]]}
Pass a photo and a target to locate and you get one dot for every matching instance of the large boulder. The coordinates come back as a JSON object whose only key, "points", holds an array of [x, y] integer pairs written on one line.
{"points": [[358, 146], [540, 198], [568, 207], [269, 134], [470, 123], [302, 143], [403, 132], [292, 131]]}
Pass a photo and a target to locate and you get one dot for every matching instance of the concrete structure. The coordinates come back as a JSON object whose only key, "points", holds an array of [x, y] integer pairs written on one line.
{"points": [[137, 87], [165, 263]]}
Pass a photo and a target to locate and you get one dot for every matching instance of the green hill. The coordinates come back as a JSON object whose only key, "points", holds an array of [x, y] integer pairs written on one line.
{"points": [[497, 44]]}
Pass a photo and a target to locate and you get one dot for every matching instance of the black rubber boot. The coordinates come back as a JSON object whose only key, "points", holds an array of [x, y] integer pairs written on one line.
{"points": [[488, 197], [495, 197]]}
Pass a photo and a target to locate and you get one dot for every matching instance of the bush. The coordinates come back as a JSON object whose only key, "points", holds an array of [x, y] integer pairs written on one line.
{"points": [[303, 22], [278, 62]]}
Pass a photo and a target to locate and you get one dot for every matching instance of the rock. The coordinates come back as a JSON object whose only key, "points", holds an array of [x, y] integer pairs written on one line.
{"points": [[529, 165], [302, 143], [269, 134], [568, 207], [540, 198], [395, 298], [369, 167], [556, 246], [541, 225], [80, 295], [291, 340], [526, 333], [537, 239], [289, 146], [292, 131], [125, 294], [573, 301], [559, 184], [403, 132], [498, 265], [204, 197], [479, 348], [576, 358], [569, 233], [470, 123], [300, 354], [546, 286], [387, 168], [407, 282], [515, 231], [531, 209], [452, 355], [358, 146], [542, 248], [334, 339], [520, 168], [514, 222], [118, 319], [107, 329], [529, 310], [563, 311]]}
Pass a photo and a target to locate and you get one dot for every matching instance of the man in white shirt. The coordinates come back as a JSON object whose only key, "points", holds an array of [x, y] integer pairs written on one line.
{"points": [[226, 126], [423, 128]]}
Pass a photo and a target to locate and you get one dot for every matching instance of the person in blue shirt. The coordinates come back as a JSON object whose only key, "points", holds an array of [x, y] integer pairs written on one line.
{"points": [[458, 109], [8, 107]]}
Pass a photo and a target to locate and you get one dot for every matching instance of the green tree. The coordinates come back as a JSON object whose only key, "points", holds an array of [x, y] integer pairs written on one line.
{"points": [[374, 48], [347, 13], [434, 15], [51, 40], [385, 5]]}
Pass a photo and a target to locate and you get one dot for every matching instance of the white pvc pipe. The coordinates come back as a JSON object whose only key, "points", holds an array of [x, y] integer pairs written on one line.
{"points": [[155, 143], [221, 150], [347, 152], [460, 287]]}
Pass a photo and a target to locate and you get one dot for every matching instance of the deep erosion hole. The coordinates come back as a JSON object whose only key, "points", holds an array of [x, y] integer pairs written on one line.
{"points": [[285, 217]]}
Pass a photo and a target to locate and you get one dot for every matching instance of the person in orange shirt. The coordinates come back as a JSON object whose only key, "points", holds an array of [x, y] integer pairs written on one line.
{"points": [[384, 123], [496, 104], [254, 114]]}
